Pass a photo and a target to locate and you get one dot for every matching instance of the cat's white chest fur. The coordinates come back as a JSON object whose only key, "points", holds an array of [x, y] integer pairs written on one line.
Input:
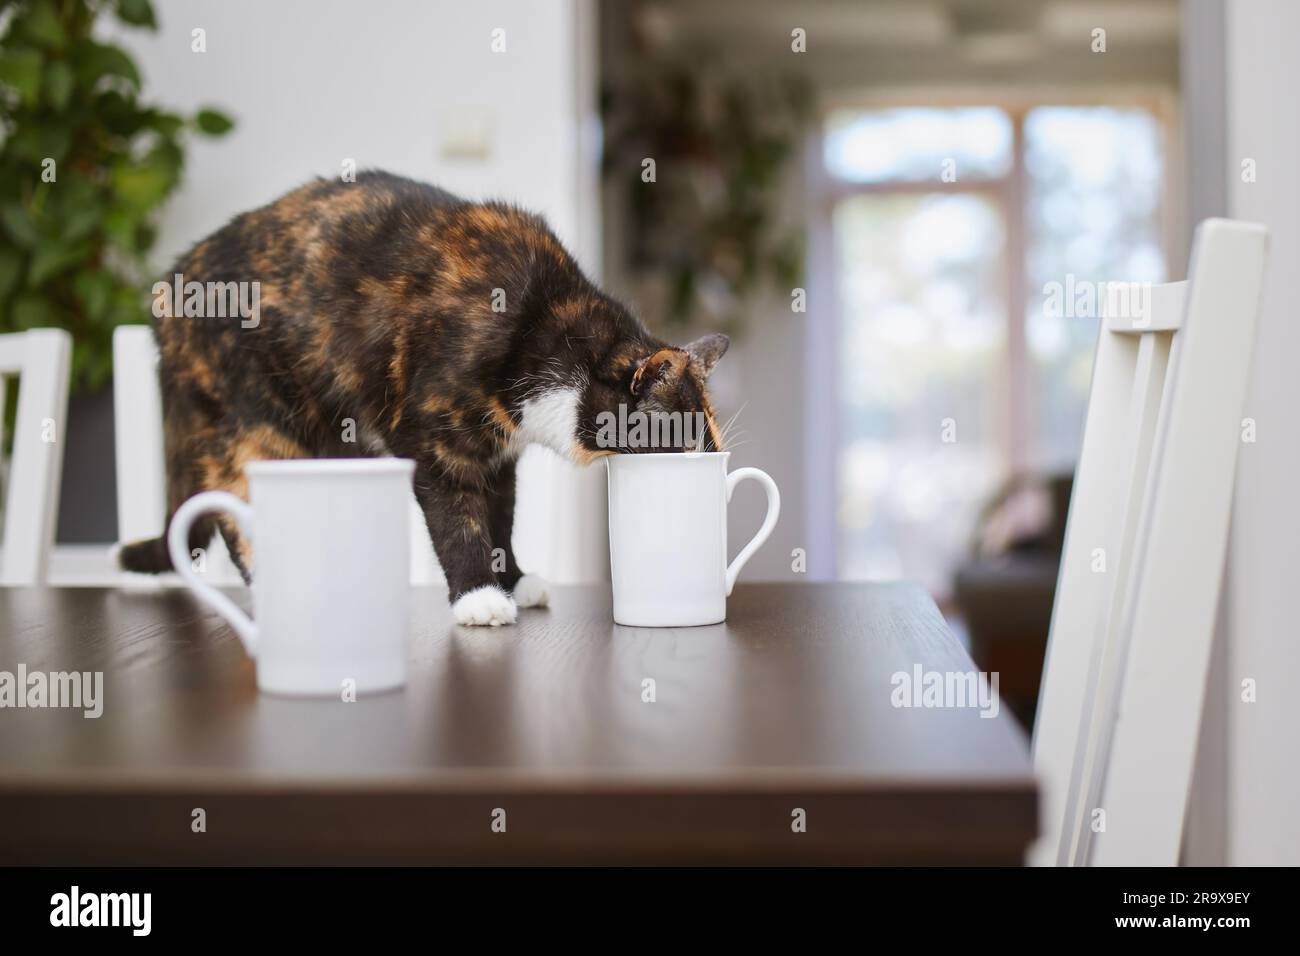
{"points": [[549, 418]]}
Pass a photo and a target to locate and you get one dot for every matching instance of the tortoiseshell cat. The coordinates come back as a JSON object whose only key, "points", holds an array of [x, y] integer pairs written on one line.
{"points": [[449, 332]]}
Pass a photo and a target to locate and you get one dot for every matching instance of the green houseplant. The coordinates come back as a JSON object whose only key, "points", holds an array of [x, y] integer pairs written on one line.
{"points": [[85, 163], [709, 226]]}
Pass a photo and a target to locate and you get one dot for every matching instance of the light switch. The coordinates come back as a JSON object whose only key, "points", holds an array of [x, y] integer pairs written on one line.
{"points": [[465, 134]]}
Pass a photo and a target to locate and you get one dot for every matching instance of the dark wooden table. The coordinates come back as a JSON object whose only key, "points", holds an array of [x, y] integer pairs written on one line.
{"points": [[786, 707]]}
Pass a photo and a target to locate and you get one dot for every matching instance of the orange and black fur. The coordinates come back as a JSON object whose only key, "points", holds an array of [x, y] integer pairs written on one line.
{"points": [[397, 319]]}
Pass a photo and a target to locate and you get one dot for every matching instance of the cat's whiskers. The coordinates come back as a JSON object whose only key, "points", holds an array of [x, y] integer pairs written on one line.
{"points": [[727, 426]]}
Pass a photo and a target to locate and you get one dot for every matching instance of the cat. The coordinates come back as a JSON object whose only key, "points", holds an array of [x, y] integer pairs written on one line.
{"points": [[395, 319]]}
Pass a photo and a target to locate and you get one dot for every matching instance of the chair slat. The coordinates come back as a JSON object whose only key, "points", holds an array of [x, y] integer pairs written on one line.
{"points": [[1124, 681], [1145, 407], [138, 435], [1162, 306], [1063, 703], [36, 467]]}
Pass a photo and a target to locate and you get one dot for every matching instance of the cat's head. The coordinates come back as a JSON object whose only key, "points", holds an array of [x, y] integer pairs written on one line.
{"points": [[654, 400]]}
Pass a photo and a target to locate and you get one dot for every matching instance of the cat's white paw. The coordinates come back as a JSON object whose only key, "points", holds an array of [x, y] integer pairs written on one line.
{"points": [[532, 591], [488, 605]]}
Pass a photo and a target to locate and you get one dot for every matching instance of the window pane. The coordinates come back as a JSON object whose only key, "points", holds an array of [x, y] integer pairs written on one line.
{"points": [[911, 145], [1093, 193], [923, 330]]}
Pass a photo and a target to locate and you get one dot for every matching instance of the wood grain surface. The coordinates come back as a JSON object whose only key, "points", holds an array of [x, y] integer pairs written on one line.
{"points": [[785, 707]]}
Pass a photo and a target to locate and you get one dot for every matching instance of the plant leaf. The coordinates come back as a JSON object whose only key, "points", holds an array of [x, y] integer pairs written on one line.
{"points": [[94, 289], [39, 143], [165, 124], [120, 227], [119, 114], [59, 82], [138, 13], [19, 224], [21, 69], [97, 60], [145, 237], [140, 185], [167, 156], [80, 222], [11, 269], [53, 256], [31, 310], [74, 193], [41, 23], [127, 307], [213, 122]]}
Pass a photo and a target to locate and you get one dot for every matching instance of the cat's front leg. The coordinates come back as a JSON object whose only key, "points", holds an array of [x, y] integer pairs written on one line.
{"points": [[458, 518], [528, 590]]}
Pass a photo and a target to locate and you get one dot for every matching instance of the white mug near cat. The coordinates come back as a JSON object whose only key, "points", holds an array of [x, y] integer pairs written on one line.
{"points": [[331, 583], [675, 573]]}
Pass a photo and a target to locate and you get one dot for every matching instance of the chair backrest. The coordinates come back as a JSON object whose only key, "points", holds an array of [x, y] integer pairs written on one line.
{"points": [[138, 434], [141, 475], [1129, 650], [41, 359]]}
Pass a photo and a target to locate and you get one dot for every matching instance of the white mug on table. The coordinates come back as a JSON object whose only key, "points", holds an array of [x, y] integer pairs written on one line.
{"points": [[668, 536], [331, 574]]}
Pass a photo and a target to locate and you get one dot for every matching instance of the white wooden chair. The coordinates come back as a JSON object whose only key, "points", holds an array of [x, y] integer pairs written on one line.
{"points": [[141, 474], [1124, 681], [138, 434], [41, 359]]}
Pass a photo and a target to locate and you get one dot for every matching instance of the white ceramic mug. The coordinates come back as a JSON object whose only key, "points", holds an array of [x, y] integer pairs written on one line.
{"points": [[331, 572], [668, 536]]}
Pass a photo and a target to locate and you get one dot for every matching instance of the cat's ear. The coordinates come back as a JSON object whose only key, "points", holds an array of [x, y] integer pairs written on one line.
{"points": [[708, 349], [657, 367]]}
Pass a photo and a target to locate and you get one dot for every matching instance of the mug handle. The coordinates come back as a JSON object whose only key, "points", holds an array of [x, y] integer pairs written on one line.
{"points": [[769, 522], [178, 536]]}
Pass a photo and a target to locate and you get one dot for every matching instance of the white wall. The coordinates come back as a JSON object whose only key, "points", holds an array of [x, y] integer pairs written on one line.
{"points": [[1263, 73], [388, 83], [381, 82]]}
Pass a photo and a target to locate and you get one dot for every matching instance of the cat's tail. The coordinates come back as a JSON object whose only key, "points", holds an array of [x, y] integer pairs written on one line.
{"points": [[146, 556]]}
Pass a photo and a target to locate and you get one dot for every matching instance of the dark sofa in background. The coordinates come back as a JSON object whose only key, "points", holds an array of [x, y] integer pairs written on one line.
{"points": [[1005, 592]]}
